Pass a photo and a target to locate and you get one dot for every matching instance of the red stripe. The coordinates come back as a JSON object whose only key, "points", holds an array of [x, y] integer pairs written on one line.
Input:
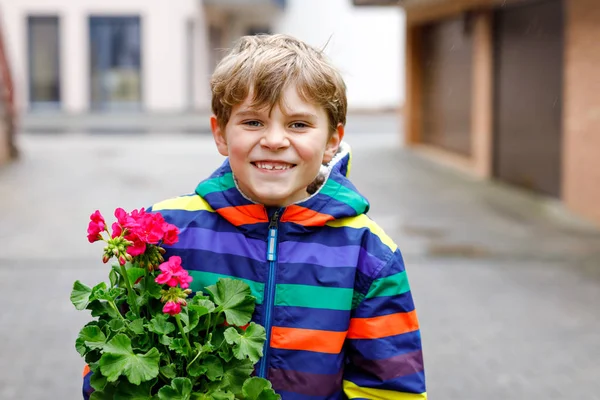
{"points": [[244, 215], [305, 216]]}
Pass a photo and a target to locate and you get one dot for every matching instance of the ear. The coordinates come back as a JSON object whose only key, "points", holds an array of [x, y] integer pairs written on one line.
{"points": [[333, 143], [219, 136]]}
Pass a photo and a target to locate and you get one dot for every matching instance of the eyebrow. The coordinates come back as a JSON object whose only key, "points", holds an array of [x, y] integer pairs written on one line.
{"points": [[298, 115]]}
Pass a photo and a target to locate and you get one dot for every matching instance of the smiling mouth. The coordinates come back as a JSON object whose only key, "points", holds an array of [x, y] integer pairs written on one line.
{"points": [[272, 166]]}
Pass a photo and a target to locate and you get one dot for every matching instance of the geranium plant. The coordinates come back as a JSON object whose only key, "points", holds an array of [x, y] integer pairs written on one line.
{"points": [[150, 338]]}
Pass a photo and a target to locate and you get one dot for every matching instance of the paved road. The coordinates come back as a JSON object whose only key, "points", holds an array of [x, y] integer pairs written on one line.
{"points": [[507, 285]]}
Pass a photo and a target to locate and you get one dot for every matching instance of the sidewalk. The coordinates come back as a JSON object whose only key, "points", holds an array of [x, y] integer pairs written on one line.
{"points": [[507, 285]]}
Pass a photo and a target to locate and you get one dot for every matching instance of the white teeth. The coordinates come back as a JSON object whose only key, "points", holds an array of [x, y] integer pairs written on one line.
{"points": [[269, 166]]}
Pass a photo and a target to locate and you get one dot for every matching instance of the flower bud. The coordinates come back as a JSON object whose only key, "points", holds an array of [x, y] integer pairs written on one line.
{"points": [[105, 258], [122, 260]]}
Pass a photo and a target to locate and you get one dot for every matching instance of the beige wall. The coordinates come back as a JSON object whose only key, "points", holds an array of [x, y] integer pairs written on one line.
{"points": [[581, 172]]}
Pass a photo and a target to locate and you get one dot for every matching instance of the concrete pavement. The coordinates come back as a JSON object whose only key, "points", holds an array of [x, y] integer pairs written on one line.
{"points": [[507, 285]]}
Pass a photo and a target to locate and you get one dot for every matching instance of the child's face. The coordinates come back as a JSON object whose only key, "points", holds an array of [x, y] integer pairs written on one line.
{"points": [[275, 156]]}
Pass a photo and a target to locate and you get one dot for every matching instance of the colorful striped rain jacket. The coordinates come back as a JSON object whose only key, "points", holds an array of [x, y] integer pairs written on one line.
{"points": [[331, 287]]}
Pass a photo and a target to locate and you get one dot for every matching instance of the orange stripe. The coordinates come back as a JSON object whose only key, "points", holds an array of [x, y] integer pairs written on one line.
{"points": [[242, 215], [305, 216], [307, 339], [86, 370], [380, 327]]}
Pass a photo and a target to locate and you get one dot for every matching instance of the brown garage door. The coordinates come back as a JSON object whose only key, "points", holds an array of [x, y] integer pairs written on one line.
{"points": [[447, 55], [529, 71]]}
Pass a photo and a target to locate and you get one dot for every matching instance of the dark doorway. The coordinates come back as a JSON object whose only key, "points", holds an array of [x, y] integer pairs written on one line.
{"points": [[528, 90], [447, 64]]}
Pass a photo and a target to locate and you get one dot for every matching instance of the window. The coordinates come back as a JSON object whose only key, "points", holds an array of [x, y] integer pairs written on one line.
{"points": [[44, 61], [115, 58]]}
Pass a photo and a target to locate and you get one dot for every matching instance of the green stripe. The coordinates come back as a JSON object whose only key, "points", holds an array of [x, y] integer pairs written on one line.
{"points": [[392, 285], [218, 184], [204, 279], [313, 297], [343, 194]]}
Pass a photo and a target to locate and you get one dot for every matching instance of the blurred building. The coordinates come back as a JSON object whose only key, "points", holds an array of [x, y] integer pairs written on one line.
{"points": [[508, 90], [8, 149], [80, 56]]}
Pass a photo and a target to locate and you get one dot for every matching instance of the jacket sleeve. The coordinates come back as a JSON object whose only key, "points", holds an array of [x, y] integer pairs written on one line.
{"points": [[87, 387], [384, 354]]}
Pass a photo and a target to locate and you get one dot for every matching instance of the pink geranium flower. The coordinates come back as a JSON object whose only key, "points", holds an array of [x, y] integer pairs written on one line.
{"points": [[171, 234], [173, 274], [172, 308], [96, 226]]}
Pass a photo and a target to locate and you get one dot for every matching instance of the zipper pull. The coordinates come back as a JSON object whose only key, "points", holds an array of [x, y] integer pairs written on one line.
{"points": [[272, 240]]}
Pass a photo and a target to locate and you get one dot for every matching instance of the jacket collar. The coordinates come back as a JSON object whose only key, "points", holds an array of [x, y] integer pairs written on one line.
{"points": [[334, 197]]}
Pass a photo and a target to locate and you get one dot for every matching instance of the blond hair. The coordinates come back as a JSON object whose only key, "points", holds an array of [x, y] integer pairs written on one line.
{"points": [[264, 65]]}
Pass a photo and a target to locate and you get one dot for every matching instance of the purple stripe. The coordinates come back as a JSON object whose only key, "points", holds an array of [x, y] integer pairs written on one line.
{"points": [[393, 367], [222, 243], [327, 256], [305, 383]]}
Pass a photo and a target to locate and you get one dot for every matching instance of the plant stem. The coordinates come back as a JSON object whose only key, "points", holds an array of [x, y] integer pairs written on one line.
{"points": [[208, 327], [185, 338], [114, 306], [130, 293]]}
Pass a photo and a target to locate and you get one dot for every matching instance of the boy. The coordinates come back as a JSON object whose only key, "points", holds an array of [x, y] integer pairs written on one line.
{"points": [[280, 213]]}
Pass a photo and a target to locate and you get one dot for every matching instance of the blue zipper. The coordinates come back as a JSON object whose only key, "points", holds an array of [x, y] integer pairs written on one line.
{"points": [[269, 290]]}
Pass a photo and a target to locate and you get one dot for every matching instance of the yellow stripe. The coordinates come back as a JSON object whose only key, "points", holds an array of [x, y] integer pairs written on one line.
{"points": [[356, 392], [362, 221], [187, 203]]}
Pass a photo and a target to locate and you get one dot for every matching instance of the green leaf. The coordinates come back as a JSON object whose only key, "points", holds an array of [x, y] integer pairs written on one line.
{"points": [[119, 359], [151, 288], [197, 369], [137, 326], [236, 373], [134, 274], [113, 276], [100, 308], [107, 393], [222, 395], [259, 389], [180, 389], [169, 371], [190, 320], [249, 344], [80, 296], [201, 305], [92, 337], [233, 297], [128, 391], [98, 381], [98, 291], [166, 340], [178, 346], [160, 325], [214, 368], [116, 325]]}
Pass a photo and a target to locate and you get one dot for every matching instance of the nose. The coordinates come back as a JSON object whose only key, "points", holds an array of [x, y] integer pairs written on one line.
{"points": [[275, 138]]}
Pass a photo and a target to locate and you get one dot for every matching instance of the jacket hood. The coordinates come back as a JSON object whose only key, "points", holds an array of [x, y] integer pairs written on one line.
{"points": [[331, 196]]}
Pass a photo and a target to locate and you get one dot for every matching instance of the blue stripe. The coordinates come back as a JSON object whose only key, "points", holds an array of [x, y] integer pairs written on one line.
{"points": [[235, 266], [378, 349], [332, 257], [221, 242], [337, 237], [312, 318], [184, 219], [307, 361], [316, 275], [414, 383], [226, 198], [297, 396], [385, 305]]}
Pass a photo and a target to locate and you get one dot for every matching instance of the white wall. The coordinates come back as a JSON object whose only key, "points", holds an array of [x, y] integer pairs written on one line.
{"points": [[366, 43], [164, 55]]}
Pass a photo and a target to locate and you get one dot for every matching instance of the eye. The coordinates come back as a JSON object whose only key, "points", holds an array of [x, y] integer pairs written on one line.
{"points": [[299, 125], [253, 123]]}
